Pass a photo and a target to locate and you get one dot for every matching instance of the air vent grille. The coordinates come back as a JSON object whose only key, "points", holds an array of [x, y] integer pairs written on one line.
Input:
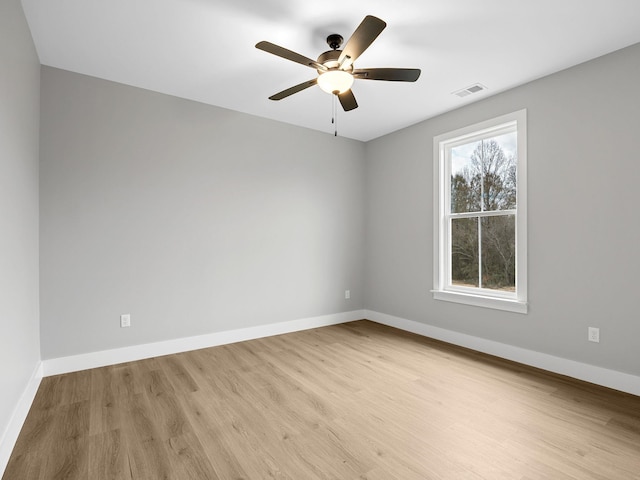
{"points": [[475, 88]]}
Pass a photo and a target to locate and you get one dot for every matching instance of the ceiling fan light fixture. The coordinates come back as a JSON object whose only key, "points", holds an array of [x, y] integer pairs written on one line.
{"points": [[335, 81]]}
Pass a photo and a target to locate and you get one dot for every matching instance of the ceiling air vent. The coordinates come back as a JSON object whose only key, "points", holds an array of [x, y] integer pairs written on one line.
{"points": [[475, 88]]}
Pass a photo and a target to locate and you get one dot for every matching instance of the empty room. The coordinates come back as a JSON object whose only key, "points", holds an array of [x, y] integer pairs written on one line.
{"points": [[300, 240]]}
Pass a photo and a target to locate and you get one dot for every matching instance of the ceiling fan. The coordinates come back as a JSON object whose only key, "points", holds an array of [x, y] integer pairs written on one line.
{"points": [[336, 72]]}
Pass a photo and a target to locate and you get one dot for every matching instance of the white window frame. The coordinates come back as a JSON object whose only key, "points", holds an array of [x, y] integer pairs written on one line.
{"points": [[443, 289]]}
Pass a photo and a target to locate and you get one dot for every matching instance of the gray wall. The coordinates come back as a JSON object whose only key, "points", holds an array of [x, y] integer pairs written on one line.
{"points": [[192, 218], [196, 219], [19, 120], [584, 227]]}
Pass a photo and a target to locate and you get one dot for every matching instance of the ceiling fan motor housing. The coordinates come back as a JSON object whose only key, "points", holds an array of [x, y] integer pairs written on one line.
{"points": [[334, 41]]}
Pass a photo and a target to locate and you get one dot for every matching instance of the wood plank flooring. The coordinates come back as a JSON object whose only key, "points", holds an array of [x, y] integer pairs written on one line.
{"points": [[353, 401]]}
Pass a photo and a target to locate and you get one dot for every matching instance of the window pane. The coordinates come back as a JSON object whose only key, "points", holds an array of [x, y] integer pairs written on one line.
{"points": [[464, 252], [498, 156], [465, 184], [499, 252], [483, 174]]}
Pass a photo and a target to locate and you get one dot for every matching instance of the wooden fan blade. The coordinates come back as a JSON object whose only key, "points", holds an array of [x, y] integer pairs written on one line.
{"points": [[348, 100], [289, 55], [294, 89], [388, 74], [364, 36]]}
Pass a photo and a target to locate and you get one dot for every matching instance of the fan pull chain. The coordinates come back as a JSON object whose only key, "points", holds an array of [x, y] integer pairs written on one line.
{"points": [[333, 111], [334, 115]]}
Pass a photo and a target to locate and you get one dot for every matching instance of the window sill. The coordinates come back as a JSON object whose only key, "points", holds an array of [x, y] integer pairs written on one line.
{"points": [[508, 305]]}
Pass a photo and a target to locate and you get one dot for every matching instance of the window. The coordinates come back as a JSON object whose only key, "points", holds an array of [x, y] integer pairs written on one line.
{"points": [[480, 249]]}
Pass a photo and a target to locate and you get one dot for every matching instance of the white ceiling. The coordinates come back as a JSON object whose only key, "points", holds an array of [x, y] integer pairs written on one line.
{"points": [[203, 50]]}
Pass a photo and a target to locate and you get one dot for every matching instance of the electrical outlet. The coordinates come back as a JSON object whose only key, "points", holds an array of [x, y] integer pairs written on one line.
{"points": [[125, 320], [347, 294], [594, 334]]}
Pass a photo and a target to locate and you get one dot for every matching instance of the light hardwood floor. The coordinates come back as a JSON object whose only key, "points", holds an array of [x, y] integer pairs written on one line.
{"points": [[353, 401]]}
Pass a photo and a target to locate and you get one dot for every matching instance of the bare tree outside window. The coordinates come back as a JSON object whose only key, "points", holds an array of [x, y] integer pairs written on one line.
{"points": [[483, 192]]}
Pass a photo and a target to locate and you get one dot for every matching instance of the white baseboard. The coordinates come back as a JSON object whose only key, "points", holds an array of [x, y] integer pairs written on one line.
{"points": [[10, 435], [74, 363], [581, 371]]}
